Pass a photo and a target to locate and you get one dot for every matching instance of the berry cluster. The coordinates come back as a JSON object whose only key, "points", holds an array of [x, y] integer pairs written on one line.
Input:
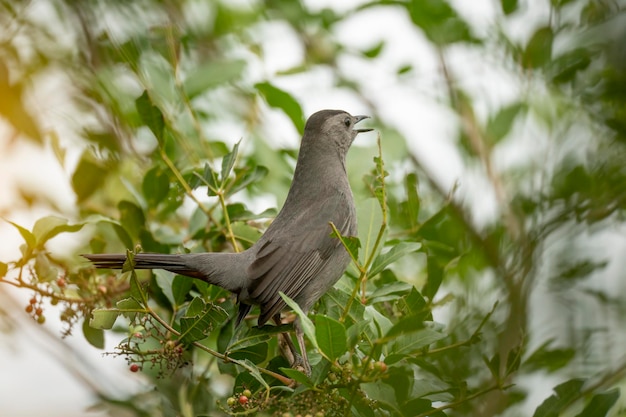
{"points": [[35, 309]]}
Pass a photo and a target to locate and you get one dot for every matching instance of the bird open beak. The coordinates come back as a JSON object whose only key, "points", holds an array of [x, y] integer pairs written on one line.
{"points": [[358, 119]]}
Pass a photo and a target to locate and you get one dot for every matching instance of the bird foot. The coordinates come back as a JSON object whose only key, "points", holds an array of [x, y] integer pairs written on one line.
{"points": [[299, 364]]}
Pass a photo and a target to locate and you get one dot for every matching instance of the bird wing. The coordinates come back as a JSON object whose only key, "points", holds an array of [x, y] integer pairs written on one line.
{"points": [[296, 252]]}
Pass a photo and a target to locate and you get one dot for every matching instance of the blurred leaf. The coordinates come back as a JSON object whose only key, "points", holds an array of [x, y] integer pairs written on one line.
{"points": [[103, 318], [132, 217], [600, 404], [48, 227], [45, 272], [435, 277], [151, 115], [500, 125], [549, 359], [155, 186], [392, 255], [539, 49], [331, 336], [95, 336], [508, 6], [565, 67], [409, 343], [565, 393], [439, 21], [3, 269], [374, 51], [88, 177], [250, 176], [210, 75], [28, 237], [280, 99], [13, 110]]}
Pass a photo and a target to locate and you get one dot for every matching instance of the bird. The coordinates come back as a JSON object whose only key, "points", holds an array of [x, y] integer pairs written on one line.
{"points": [[297, 255]]}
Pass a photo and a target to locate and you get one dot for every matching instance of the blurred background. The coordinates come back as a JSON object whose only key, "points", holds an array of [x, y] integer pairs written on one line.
{"points": [[505, 119]]}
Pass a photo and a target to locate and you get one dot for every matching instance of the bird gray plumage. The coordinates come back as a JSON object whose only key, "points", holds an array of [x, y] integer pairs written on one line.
{"points": [[297, 254]]}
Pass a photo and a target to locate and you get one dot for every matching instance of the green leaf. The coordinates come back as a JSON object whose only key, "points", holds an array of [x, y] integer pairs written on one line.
{"points": [[508, 6], [88, 177], [565, 393], [411, 207], [600, 404], [45, 272], [298, 376], [331, 336], [396, 252], [155, 186], [435, 277], [254, 353], [500, 125], [550, 360], [405, 325], [439, 21], [539, 49], [150, 115], [95, 336], [103, 318], [350, 243], [132, 217], [212, 74], [48, 227], [28, 237], [228, 162], [180, 289], [256, 335], [199, 320], [251, 176], [408, 343], [280, 99], [209, 178], [374, 51], [164, 280], [307, 325]]}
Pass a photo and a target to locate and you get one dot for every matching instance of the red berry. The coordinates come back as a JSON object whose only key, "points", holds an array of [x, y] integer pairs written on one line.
{"points": [[243, 400], [134, 367], [29, 308], [33, 300], [380, 366], [61, 282], [39, 311]]}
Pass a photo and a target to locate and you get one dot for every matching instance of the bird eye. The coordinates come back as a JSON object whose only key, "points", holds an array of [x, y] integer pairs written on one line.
{"points": [[347, 122]]}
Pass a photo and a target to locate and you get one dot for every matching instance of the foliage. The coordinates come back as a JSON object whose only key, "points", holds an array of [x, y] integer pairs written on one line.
{"points": [[435, 315]]}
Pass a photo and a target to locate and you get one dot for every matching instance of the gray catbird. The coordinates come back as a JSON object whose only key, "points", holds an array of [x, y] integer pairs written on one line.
{"points": [[297, 255]]}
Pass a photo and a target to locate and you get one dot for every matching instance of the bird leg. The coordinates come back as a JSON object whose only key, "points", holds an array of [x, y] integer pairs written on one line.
{"points": [[300, 337], [285, 344], [288, 349]]}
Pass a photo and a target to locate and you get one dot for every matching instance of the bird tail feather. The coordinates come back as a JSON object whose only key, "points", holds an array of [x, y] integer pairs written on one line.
{"points": [[169, 262]]}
